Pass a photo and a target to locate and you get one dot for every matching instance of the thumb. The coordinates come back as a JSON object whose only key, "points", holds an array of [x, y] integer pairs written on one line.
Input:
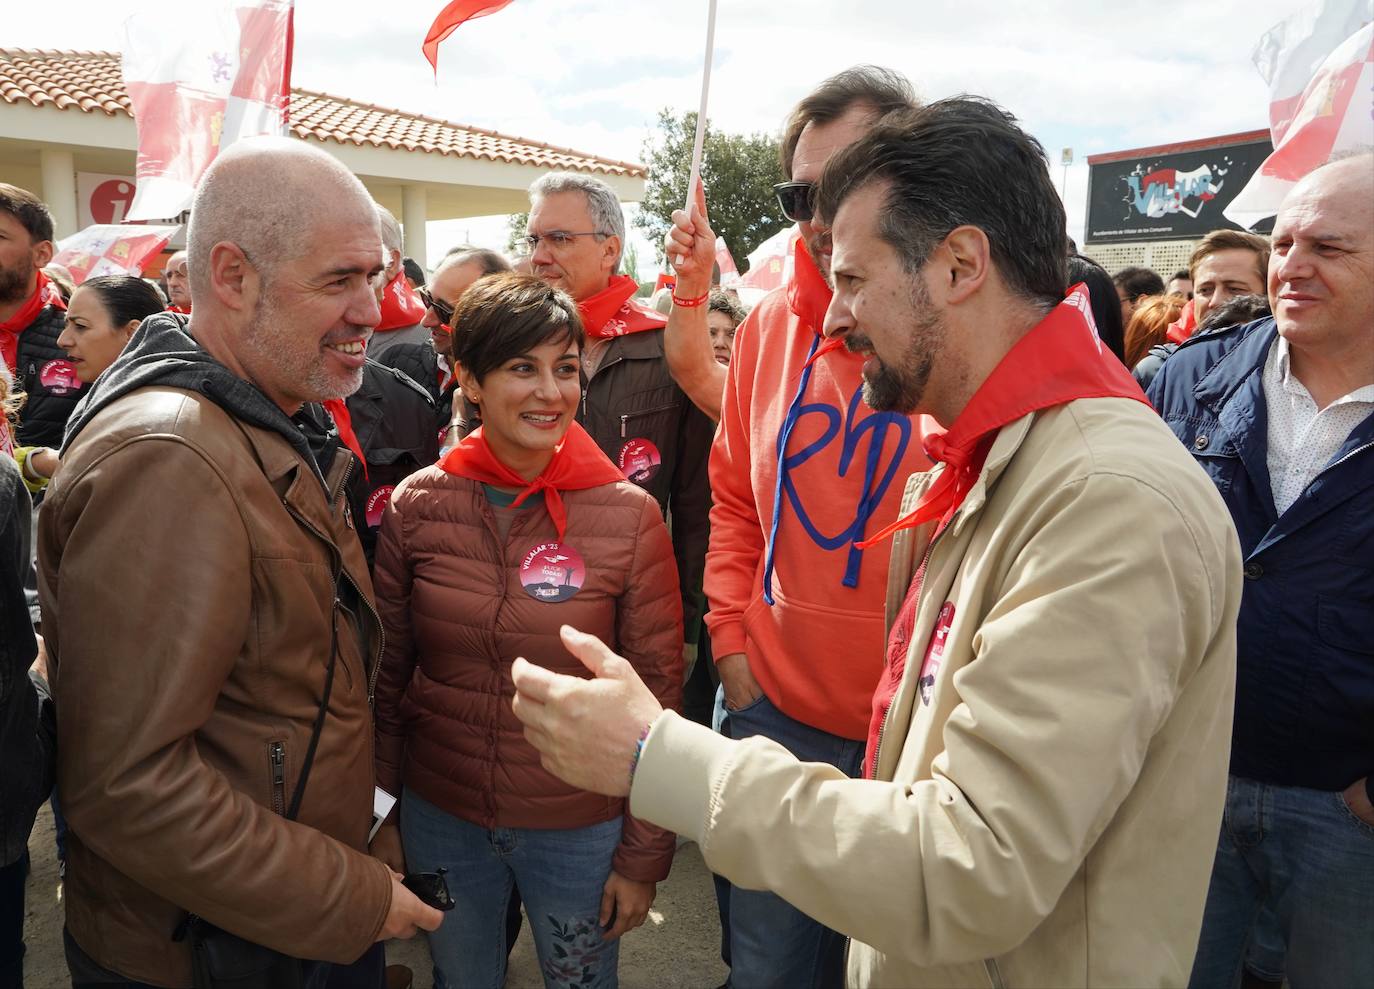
{"points": [[590, 651], [607, 906]]}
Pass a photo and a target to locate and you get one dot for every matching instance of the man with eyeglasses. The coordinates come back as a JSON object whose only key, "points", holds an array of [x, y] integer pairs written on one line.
{"points": [[796, 607], [631, 406]]}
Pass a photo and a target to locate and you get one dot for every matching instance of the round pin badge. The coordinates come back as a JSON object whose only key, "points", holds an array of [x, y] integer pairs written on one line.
{"points": [[376, 504], [59, 377], [552, 572], [640, 460]]}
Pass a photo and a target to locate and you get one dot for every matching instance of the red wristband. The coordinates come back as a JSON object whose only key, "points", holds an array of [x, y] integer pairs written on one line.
{"points": [[690, 303]]}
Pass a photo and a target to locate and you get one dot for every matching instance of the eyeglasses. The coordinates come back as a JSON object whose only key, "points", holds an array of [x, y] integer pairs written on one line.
{"points": [[441, 309], [797, 200], [557, 240]]}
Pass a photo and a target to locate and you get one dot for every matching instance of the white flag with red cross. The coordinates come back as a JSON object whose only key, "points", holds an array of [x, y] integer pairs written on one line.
{"points": [[112, 249], [200, 79], [1333, 111]]}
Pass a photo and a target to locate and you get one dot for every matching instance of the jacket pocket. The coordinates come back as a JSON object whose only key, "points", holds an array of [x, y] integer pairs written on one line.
{"points": [[1211, 446], [1346, 623], [276, 767], [632, 420]]}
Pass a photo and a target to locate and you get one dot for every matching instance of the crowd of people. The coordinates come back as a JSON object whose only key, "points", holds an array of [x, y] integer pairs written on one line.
{"points": [[985, 617]]}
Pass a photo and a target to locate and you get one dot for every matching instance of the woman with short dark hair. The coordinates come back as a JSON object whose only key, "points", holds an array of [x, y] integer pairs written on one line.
{"points": [[525, 526]]}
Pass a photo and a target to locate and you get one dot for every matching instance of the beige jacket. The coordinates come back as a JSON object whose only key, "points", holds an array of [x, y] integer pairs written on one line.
{"points": [[1049, 816]]}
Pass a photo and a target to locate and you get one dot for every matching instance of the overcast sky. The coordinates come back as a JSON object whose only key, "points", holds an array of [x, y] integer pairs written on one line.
{"points": [[592, 74]]}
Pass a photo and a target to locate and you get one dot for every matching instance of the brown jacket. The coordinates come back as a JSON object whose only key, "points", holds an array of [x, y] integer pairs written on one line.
{"points": [[456, 616], [188, 583]]}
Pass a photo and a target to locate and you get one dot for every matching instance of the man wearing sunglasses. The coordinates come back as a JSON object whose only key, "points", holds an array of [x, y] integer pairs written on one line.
{"points": [[802, 667], [630, 405]]}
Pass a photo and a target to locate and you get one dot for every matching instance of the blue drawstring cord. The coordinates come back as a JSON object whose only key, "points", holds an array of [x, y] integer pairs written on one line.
{"points": [[788, 423]]}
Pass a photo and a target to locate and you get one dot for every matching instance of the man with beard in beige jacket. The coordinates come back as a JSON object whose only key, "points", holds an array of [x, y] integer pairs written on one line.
{"points": [[1047, 758]]}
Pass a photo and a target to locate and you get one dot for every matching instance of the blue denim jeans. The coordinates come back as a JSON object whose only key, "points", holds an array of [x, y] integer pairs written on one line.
{"points": [[1292, 893], [560, 875], [769, 942]]}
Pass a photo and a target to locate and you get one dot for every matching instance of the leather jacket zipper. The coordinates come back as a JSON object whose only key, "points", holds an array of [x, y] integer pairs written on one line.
{"points": [[923, 570], [276, 757], [625, 419]]}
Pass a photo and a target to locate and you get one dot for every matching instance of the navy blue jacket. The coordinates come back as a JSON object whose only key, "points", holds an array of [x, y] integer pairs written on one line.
{"points": [[1305, 662]]}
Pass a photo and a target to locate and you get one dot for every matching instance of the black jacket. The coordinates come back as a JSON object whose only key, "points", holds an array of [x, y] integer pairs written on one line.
{"points": [[27, 730], [45, 375], [395, 421]]}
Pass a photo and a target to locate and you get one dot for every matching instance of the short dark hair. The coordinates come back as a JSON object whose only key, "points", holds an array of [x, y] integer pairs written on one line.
{"points": [[1233, 312], [1136, 281], [31, 212], [722, 301], [883, 89], [1102, 298], [1181, 273], [125, 297], [413, 271], [958, 162], [506, 315], [1231, 240]]}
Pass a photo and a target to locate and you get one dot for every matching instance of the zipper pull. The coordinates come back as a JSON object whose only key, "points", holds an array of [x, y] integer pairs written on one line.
{"points": [[278, 756], [624, 425], [584, 403]]}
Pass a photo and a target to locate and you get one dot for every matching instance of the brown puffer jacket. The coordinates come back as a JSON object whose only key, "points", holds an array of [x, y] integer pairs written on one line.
{"points": [[456, 616]]}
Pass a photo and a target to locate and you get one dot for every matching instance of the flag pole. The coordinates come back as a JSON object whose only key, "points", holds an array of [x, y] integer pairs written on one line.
{"points": [[695, 175]]}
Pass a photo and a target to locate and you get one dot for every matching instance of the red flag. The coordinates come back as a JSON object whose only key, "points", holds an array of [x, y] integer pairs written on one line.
{"points": [[456, 13]]}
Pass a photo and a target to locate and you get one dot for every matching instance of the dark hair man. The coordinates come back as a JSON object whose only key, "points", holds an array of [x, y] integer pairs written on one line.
{"points": [[1280, 413], [32, 315], [1067, 581], [1181, 284], [185, 731], [796, 604], [1132, 284]]}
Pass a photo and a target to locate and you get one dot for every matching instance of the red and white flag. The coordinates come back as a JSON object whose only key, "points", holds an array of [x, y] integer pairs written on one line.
{"points": [[454, 14], [200, 79], [1332, 112], [770, 264], [112, 249], [729, 273]]}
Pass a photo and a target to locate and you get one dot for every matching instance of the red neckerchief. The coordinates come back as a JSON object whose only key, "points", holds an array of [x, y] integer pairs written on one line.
{"points": [[577, 464], [808, 296], [1183, 327], [611, 313], [400, 305], [1061, 359], [343, 422], [179, 309], [45, 293]]}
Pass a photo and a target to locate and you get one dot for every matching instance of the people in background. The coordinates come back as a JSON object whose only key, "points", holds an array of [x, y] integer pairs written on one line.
{"points": [[1134, 283]]}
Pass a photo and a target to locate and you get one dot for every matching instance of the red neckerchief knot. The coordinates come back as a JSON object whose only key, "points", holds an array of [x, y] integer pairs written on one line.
{"points": [[609, 313], [577, 464], [1060, 360]]}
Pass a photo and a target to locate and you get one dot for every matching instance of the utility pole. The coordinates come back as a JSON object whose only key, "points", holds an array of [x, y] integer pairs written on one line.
{"points": [[1066, 158]]}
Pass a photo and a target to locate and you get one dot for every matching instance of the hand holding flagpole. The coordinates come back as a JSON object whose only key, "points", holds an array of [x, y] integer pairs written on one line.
{"points": [[694, 177]]}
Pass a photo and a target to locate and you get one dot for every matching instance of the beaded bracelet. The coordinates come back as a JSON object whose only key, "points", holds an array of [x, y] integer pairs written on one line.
{"points": [[690, 303], [639, 750]]}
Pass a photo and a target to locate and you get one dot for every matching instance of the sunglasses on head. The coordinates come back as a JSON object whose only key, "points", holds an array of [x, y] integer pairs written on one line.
{"points": [[797, 200], [441, 309]]}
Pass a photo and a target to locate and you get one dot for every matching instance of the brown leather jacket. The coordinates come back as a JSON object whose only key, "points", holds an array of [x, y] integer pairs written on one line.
{"points": [[449, 590], [188, 585]]}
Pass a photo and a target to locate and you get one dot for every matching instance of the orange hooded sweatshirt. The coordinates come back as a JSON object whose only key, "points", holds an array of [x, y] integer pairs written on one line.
{"points": [[786, 584]]}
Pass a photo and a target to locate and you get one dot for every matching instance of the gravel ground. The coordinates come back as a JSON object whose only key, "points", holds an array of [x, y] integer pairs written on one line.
{"points": [[677, 948]]}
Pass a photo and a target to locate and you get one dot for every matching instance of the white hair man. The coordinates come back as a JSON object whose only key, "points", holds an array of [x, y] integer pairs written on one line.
{"points": [[403, 311], [217, 753]]}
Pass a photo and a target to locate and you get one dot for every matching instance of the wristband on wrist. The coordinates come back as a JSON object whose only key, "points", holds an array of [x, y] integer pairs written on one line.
{"points": [[690, 303], [639, 750]]}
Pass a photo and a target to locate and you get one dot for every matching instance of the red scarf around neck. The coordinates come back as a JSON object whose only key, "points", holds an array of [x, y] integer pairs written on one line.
{"points": [[45, 293], [610, 313], [577, 464], [179, 310], [808, 296], [1061, 359], [401, 307], [1183, 327], [343, 422]]}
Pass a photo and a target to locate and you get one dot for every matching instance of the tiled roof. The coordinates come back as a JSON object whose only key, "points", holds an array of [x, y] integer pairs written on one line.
{"points": [[91, 82]]}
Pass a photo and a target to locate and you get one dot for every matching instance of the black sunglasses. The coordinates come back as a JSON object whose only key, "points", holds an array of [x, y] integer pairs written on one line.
{"points": [[441, 309], [797, 200]]}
